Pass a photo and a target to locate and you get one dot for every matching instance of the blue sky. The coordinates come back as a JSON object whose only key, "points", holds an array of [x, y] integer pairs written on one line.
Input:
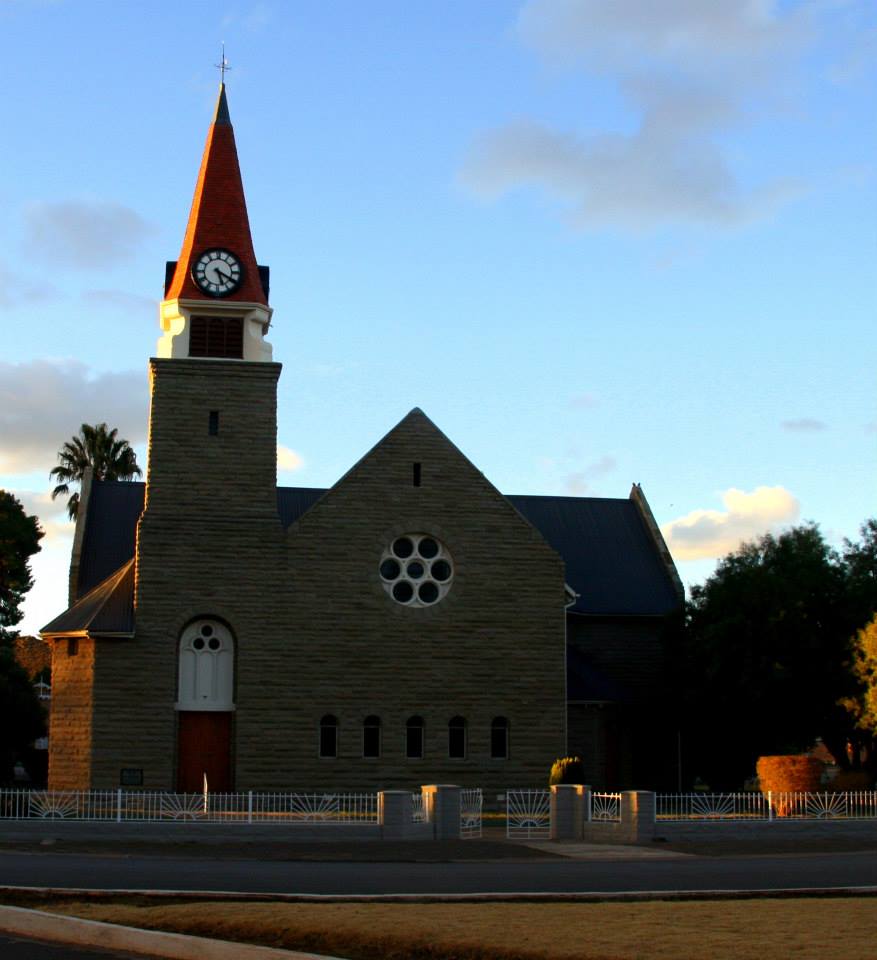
{"points": [[597, 241]]}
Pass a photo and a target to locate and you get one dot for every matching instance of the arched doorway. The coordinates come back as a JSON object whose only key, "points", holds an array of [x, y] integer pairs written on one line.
{"points": [[205, 706]]}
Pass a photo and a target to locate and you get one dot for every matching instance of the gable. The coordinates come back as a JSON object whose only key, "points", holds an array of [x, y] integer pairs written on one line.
{"points": [[611, 561]]}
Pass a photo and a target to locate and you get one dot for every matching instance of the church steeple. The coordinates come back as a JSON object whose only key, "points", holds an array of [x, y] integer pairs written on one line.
{"points": [[216, 296]]}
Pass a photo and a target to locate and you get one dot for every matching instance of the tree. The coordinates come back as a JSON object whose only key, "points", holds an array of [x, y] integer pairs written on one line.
{"points": [[863, 705], [20, 537], [21, 716], [764, 658], [96, 447]]}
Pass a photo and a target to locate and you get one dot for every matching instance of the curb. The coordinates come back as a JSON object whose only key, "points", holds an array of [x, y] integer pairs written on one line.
{"points": [[111, 936], [601, 896]]}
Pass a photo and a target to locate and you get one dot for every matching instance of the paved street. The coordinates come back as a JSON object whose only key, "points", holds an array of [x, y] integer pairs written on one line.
{"points": [[509, 876], [18, 948]]}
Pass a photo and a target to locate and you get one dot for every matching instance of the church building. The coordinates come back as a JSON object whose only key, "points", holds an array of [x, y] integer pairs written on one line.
{"points": [[409, 625]]}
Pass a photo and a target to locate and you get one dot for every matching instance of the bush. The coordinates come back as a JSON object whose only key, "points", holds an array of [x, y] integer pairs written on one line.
{"points": [[567, 770], [789, 774], [851, 780]]}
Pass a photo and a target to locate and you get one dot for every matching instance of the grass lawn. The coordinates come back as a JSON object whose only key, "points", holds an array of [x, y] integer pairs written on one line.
{"points": [[793, 929]]}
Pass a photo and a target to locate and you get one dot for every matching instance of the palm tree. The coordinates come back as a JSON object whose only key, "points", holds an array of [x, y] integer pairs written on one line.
{"points": [[95, 447]]}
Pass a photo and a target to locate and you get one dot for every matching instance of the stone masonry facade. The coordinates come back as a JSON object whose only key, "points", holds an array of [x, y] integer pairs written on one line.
{"points": [[315, 632]]}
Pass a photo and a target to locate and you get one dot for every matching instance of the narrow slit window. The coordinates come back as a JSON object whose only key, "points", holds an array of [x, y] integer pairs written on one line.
{"points": [[414, 738], [329, 737], [457, 738], [416, 475], [371, 737], [213, 423], [72, 646], [499, 739]]}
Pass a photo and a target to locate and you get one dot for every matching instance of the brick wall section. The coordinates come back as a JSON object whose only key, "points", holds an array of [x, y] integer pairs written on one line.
{"points": [[70, 731], [493, 647], [209, 543], [315, 632], [228, 477], [628, 651]]}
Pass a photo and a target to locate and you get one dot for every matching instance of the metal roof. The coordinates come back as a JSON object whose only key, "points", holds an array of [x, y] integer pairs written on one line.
{"points": [[611, 560], [106, 610]]}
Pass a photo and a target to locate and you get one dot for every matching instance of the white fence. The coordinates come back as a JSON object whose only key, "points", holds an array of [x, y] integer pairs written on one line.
{"points": [[528, 814], [855, 805], [605, 807], [123, 805], [471, 802]]}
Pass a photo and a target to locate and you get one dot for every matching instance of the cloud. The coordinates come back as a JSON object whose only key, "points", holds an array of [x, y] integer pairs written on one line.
{"points": [[288, 460], [18, 291], [119, 300], [689, 70], [44, 402], [704, 534], [52, 515], [612, 34], [583, 401], [803, 425], [578, 484], [84, 235]]}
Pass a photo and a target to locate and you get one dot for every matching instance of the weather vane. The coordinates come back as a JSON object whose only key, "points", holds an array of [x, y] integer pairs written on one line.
{"points": [[222, 66]]}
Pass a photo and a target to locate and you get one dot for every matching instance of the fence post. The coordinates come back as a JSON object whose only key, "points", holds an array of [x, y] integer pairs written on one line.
{"points": [[250, 806], [769, 805], [441, 803], [119, 805], [394, 814], [638, 815], [588, 803], [567, 811]]}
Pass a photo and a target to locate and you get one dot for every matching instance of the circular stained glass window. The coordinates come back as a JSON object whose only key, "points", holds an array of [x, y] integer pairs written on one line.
{"points": [[416, 570]]}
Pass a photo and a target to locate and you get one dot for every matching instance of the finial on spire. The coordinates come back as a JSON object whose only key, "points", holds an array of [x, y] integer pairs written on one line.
{"points": [[222, 66]]}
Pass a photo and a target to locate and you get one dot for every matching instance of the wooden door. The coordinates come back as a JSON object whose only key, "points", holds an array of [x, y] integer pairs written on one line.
{"points": [[204, 749]]}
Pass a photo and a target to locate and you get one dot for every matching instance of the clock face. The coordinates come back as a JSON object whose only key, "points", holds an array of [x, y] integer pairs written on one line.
{"points": [[217, 272]]}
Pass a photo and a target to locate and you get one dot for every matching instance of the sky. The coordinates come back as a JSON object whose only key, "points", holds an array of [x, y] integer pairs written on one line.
{"points": [[598, 242]]}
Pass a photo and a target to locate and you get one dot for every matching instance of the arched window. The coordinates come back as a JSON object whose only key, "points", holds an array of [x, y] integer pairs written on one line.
{"points": [[206, 667], [371, 737], [457, 738], [499, 738], [328, 736], [414, 738]]}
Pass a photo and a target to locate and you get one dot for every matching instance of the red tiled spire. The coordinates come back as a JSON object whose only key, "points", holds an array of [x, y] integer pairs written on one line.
{"points": [[219, 215]]}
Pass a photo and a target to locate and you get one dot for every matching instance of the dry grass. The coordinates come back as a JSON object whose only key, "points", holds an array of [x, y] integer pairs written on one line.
{"points": [[794, 929]]}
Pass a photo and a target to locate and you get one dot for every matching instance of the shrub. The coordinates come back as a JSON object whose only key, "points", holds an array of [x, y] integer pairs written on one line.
{"points": [[567, 770], [789, 774], [851, 780]]}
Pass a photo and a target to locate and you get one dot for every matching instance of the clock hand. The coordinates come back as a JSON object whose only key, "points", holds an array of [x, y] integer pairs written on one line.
{"points": [[222, 274]]}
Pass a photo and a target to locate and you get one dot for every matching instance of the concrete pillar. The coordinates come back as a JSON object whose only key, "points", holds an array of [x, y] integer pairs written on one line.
{"points": [[637, 815], [394, 813], [567, 811], [441, 801]]}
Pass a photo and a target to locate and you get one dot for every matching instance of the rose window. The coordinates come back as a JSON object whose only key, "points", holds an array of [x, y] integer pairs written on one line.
{"points": [[416, 570]]}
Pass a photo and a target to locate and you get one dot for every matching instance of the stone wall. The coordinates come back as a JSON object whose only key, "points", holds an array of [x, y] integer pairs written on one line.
{"points": [[70, 730]]}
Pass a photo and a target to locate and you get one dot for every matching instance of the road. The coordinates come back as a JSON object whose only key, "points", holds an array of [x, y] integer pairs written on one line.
{"points": [[20, 948], [508, 876]]}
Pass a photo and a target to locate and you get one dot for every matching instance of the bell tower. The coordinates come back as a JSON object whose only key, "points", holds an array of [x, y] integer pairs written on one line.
{"points": [[213, 385], [216, 295], [209, 541]]}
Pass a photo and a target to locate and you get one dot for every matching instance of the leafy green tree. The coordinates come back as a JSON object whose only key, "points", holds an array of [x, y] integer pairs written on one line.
{"points": [[863, 705], [97, 447], [764, 658], [20, 537], [21, 716]]}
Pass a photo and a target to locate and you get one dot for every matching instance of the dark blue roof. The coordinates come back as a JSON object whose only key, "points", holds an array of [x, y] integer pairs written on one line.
{"points": [[611, 560]]}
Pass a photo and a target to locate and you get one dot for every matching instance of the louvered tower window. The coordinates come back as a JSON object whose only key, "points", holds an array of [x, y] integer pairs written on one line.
{"points": [[216, 337]]}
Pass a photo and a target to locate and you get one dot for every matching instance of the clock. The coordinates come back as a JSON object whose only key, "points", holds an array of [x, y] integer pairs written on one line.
{"points": [[217, 272]]}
